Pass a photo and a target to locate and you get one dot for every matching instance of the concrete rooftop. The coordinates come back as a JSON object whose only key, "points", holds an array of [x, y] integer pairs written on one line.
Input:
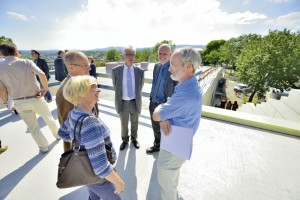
{"points": [[229, 162]]}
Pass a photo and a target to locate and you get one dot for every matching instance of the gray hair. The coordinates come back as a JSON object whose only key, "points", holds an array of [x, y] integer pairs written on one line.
{"points": [[71, 56], [189, 54], [129, 48]]}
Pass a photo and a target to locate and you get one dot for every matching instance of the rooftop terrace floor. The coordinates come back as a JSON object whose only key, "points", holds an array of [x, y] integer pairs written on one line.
{"points": [[229, 162]]}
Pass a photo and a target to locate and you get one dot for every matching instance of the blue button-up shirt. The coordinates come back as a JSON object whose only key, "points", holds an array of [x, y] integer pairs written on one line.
{"points": [[185, 106], [161, 96]]}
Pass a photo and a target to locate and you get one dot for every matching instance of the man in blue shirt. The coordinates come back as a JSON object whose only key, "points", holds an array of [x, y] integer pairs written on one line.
{"points": [[182, 109], [162, 88]]}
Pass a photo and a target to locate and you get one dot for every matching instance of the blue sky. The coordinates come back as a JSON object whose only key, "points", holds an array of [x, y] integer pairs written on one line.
{"points": [[89, 24]]}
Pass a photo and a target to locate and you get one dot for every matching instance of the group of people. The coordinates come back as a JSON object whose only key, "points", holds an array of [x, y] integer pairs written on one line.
{"points": [[175, 99]]}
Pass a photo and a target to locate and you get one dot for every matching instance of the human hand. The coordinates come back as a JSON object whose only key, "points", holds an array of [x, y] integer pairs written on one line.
{"points": [[41, 93], [165, 126], [120, 186]]}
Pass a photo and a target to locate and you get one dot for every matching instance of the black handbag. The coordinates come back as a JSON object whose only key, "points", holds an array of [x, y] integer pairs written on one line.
{"points": [[75, 168]]}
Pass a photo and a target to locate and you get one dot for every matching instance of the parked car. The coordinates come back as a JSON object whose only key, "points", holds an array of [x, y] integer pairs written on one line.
{"points": [[240, 87]]}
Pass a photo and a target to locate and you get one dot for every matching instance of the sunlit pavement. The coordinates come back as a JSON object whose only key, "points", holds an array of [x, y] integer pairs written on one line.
{"points": [[229, 161]]}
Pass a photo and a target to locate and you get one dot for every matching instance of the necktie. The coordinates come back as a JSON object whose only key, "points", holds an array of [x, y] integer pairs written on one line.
{"points": [[129, 84]]}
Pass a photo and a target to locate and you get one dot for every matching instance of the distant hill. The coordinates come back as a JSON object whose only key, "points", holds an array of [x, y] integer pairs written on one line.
{"points": [[119, 48], [194, 46], [108, 48]]}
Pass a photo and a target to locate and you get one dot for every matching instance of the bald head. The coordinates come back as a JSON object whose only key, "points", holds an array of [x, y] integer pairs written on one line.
{"points": [[164, 53], [77, 63]]}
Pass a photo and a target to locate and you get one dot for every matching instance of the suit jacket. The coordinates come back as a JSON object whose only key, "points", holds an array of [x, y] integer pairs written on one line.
{"points": [[117, 79], [64, 106], [168, 85], [42, 64], [61, 71]]}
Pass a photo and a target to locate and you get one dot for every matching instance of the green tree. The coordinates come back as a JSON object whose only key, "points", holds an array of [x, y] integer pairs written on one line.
{"points": [[113, 55], [143, 56], [4, 39], [211, 53], [232, 48], [273, 61]]}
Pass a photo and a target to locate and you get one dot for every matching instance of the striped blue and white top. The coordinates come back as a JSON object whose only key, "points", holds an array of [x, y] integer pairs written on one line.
{"points": [[94, 135]]}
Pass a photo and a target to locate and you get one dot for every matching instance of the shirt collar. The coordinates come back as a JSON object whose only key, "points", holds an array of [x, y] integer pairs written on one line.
{"points": [[166, 64], [186, 83], [126, 67]]}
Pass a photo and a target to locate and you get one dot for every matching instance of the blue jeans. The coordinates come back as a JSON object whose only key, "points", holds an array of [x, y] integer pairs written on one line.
{"points": [[48, 96], [103, 191]]}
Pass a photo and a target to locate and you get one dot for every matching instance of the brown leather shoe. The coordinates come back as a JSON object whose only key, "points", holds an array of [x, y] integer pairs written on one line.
{"points": [[3, 148]]}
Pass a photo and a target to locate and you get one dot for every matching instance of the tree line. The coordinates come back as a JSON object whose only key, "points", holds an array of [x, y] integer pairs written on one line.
{"points": [[263, 62]]}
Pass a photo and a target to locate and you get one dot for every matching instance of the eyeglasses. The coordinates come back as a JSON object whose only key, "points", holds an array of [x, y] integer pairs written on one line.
{"points": [[130, 55], [83, 66]]}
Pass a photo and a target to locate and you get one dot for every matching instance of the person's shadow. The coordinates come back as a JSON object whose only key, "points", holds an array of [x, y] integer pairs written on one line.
{"points": [[153, 189], [8, 183], [126, 171], [7, 116]]}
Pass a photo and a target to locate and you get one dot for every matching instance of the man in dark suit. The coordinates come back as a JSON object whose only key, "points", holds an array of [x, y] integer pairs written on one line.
{"points": [[128, 81], [61, 71], [162, 88], [42, 64]]}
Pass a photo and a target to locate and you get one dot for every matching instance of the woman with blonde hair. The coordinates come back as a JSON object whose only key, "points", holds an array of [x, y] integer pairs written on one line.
{"points": [[82, 91]]}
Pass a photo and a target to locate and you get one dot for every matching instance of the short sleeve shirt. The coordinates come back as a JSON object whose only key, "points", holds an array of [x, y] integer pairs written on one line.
{"points": [[18, 76]]}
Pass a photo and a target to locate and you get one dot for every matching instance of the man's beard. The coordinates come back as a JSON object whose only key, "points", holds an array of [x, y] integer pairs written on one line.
{"points": [[178, 75]]}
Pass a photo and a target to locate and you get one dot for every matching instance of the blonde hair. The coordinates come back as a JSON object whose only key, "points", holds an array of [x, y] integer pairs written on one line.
{"points": [[78, 87]]}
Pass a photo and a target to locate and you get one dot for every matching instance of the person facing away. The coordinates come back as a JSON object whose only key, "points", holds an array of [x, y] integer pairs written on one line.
{"points": [[42, 64], [235, 106], [92, 66], [228, 105], [162, 88], [77, 64], [128, 82], [17, 79], [82, 91], [60, 67], [182, 109]]}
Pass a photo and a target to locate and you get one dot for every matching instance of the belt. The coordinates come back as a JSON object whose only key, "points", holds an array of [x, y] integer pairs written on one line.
{"points": [[129, 100], [24, 98]]}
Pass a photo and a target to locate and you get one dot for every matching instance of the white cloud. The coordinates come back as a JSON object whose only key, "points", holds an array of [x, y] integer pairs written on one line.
{"points": [[17, 16], [279, 1], [291, 20], [246, 18], [144, 23]]}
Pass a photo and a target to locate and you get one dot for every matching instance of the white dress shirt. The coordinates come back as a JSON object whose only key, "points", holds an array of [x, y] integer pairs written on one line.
{"points": [[125, 92]]}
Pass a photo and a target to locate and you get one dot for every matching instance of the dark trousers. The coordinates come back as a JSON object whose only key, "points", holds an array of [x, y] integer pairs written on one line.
{"points": [[48, 95], [129, 110], [155, 125]]}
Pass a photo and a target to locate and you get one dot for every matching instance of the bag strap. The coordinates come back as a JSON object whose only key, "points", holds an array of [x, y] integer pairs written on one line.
{"points": [[76, 143]]}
